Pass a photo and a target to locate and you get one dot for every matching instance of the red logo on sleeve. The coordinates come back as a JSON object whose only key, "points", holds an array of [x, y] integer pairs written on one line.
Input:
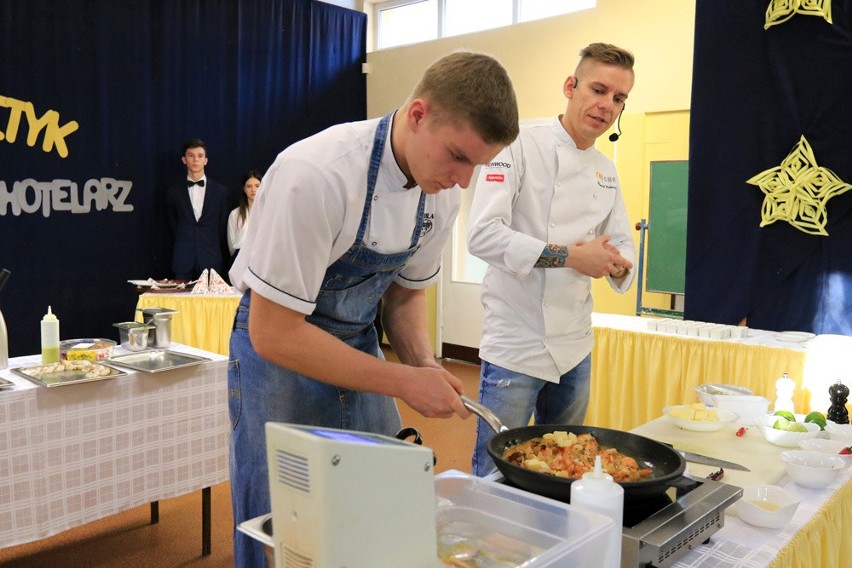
{"points": [[494, 177]]}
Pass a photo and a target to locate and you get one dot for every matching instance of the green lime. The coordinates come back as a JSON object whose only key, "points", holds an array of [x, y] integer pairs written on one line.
{"points": [[786, 414], [817, 418], [796, 427], [781, 424]]}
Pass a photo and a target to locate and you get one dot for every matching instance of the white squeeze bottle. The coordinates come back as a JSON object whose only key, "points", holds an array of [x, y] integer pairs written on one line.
{"points": [[49, 337], [597, 492]]}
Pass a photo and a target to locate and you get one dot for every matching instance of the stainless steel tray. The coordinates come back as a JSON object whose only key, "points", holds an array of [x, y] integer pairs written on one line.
{"points": [[4, 384], [68, 376], [156, 360]]}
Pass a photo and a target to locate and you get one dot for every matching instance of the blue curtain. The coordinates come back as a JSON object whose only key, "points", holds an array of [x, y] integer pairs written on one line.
{"points": [[755, 93], [96, 100]]}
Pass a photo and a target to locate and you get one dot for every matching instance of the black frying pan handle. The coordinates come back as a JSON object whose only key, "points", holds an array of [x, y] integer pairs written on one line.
{"points": [[406, 433], [485, 413]]}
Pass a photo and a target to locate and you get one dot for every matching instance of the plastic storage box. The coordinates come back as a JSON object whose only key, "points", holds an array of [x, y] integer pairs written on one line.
{"points": [[476, 516]]}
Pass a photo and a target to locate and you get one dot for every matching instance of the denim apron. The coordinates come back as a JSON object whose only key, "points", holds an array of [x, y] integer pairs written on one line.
{"points": [[260, 391]]}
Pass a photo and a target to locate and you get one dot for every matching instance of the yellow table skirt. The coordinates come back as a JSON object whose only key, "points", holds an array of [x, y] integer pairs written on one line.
{"points": [[202, 321], [635, 374], [824, 541]]}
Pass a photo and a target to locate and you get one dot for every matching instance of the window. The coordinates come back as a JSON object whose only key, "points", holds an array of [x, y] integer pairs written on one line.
{"points": [[406, 21], [402, 22]]}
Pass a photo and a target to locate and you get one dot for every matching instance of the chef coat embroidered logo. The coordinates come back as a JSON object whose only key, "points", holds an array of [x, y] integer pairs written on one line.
{"points": [[494, 177], [500, 165], [606, 182], [428, 222]]}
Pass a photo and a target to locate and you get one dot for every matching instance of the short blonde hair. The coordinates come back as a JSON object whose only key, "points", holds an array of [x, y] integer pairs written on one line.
{"points": [[473, 87], [606, 53]]}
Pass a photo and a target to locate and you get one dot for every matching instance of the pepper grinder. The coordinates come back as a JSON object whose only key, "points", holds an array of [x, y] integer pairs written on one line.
{"points": [[784, 388], [838, 393]]}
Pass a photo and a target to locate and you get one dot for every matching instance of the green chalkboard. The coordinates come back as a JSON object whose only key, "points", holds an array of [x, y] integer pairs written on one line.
{"points": [[666, 243]]}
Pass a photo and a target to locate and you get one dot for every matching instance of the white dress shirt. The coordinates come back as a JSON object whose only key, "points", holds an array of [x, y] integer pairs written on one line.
{"points": [[542, 189], [196, 197]]}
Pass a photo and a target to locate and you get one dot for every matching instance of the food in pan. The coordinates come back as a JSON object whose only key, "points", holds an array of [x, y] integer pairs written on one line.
{"points": [[564, 454], [91, 370]]}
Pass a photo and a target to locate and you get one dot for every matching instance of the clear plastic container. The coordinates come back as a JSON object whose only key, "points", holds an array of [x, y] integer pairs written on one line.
{"points": [[500, 522]]}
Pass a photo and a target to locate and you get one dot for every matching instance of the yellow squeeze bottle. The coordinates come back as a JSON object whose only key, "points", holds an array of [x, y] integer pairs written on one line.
{"points": [[49, 337]]}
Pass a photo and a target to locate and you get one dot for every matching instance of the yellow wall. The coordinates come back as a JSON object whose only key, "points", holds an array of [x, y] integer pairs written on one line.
{"points": [[539, 55]]}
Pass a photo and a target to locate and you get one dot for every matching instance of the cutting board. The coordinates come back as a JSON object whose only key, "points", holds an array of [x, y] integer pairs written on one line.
{"points": [[751, 450]]}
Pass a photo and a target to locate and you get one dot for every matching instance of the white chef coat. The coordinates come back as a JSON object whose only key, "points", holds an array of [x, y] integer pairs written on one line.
{"points": [[542, 189], [309, 210]]}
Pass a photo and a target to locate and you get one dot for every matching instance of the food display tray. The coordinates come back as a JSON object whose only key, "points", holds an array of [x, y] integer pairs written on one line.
{"points": [[4, 384], [157, 360], [68, 376]]}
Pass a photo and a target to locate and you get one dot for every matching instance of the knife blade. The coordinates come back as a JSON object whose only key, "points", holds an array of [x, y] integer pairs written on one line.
{"points": [[707, 460]]}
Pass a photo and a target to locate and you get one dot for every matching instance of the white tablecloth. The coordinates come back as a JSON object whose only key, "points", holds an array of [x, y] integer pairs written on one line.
{"points": [[738, 544], [73, 454]]}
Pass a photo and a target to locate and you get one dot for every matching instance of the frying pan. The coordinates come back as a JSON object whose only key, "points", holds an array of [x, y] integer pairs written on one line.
{"points": [[666, 464]]}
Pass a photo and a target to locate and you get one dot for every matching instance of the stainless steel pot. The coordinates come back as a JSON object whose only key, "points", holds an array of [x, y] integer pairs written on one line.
{"points": [[161, 320]]}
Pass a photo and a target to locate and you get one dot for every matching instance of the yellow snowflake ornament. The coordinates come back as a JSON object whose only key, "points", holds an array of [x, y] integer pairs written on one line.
{"points": [[779, 11], [798, 190]]}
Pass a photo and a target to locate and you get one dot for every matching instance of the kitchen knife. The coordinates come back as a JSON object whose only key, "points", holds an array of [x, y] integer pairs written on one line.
{"points": [[707, 460]]}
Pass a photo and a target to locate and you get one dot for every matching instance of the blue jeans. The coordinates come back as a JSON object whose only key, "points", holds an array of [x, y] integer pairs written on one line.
{"points": [[514, 397], [260, 392]]}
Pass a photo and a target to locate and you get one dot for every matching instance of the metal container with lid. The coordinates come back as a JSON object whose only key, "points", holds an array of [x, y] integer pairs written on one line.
{"points": [[161, 319], [134, 335]]}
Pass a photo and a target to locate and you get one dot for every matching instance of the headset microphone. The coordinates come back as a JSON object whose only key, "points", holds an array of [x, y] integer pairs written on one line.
{"points": [[616, 135]]}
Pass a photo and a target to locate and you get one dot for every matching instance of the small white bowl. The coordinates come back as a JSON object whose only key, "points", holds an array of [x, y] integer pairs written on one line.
{"points": [[768, 506], [723, 417], [710, 394], [839, 432], [812, 469], [827, 447], [783, 437]]}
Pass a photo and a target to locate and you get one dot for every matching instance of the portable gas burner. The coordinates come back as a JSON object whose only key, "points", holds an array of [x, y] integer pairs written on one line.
{"points": [[658, 531]]}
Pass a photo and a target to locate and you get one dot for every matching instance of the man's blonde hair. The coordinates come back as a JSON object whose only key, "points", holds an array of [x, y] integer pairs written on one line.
{"points": [[475, 88], [606, 53]]}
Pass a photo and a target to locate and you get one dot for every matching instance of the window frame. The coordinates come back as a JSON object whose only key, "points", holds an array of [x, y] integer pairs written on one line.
{"points": [[379, 5]]}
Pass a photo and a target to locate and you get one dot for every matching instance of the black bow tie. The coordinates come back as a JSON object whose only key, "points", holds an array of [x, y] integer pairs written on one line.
{"points": [[190, 183]]}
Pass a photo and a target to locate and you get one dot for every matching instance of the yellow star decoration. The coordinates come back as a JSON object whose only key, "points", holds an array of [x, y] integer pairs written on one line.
{"points": [[798, 190], [779, 11]]}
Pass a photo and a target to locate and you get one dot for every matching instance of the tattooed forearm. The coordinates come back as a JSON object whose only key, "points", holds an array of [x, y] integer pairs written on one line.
{"points": [[553, 256]]}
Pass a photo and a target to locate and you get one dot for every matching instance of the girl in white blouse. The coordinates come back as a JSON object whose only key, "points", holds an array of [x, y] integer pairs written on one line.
{"points": [[239, 217]]}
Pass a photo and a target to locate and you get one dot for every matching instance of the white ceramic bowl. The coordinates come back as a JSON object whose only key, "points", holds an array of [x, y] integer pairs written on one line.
{"points": [[709, 394], [812, 469], [724, 417], [827, 447], [768, 506], [783, 437], [839, 432]]}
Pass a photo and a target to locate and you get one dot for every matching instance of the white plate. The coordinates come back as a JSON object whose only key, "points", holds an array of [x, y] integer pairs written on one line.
{"points": [[724, 417], [795, 336]]}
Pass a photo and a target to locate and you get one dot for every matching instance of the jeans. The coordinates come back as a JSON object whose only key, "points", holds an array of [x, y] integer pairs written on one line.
{"points": [[515, 397], [260, 392]]}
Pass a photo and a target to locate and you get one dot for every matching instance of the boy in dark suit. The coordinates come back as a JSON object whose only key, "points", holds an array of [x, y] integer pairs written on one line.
{"points": [[197, 210]]}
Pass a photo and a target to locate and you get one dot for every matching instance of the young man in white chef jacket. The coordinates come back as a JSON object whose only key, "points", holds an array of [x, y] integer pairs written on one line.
{"points": [[547, 217], [357, 213]]}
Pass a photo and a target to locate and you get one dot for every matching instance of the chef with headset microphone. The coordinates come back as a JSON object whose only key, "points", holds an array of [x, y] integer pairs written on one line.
{"points": [[548, 216]]}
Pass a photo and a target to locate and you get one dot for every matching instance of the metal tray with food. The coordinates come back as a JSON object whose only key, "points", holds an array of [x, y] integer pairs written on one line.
{"points": [[156, 360], [68, 373]]}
